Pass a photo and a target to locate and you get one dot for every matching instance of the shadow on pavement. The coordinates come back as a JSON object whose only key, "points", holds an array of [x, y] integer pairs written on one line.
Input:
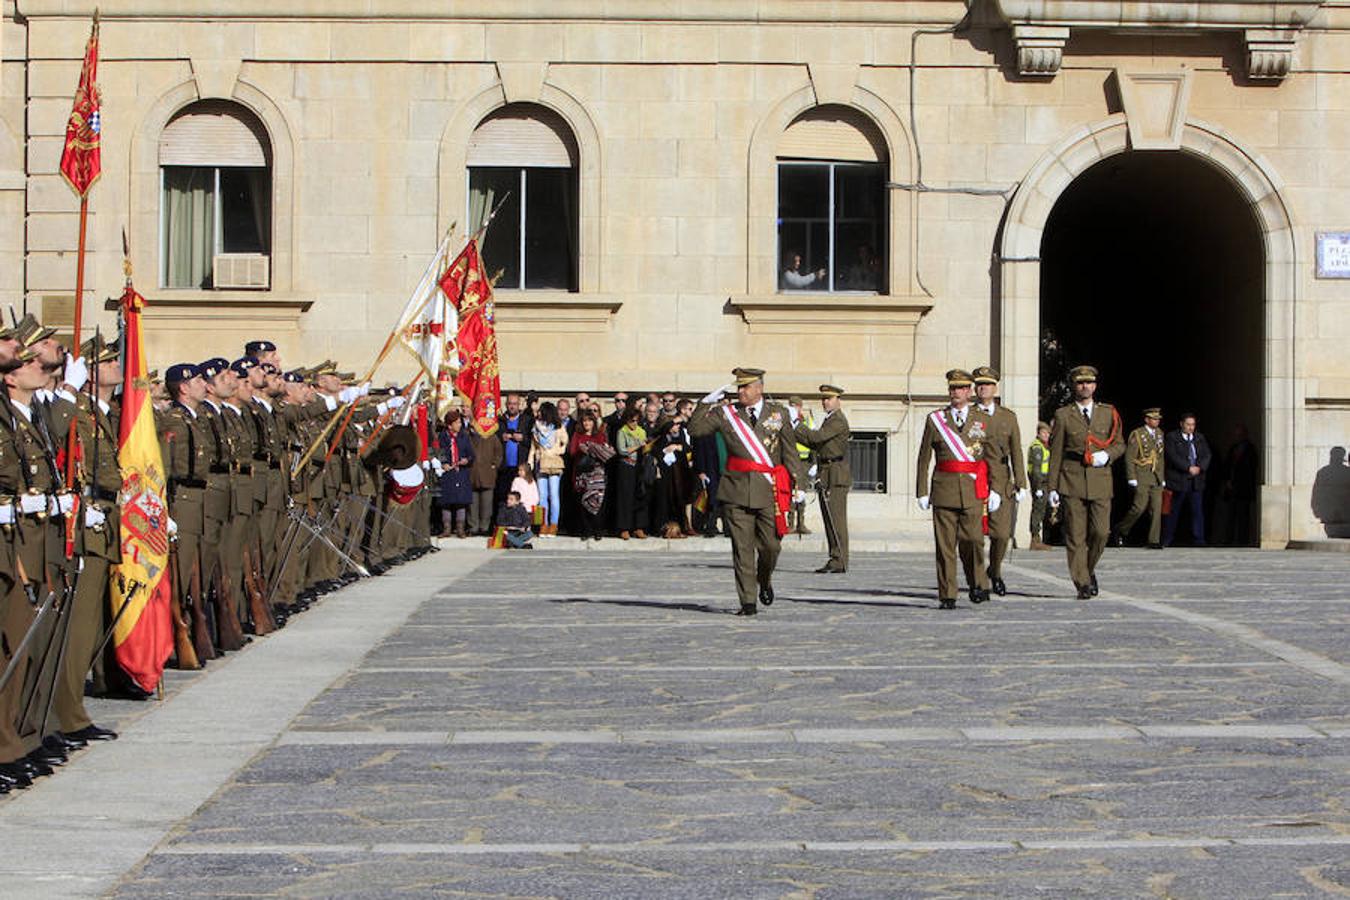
{"points": [[649, 604]]}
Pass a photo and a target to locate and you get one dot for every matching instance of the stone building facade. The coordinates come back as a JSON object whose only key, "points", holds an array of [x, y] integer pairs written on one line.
{"points": [[1147, 181]]}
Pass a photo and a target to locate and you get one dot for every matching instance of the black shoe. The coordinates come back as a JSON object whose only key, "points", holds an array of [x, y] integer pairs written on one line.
{"points": [[747, 611], [70, 743], [829, 569], [59, 743], [49, 755], [1085, 593], [947, 603], [766, 595], [1092, 585], [1155, 546], [998, 587], [15, 775], [35, 767], [1116, 539], [93, 733], [978, 595]]}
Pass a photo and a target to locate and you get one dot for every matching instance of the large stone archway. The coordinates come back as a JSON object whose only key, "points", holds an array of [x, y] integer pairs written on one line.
{"points": [[1018, 328]]}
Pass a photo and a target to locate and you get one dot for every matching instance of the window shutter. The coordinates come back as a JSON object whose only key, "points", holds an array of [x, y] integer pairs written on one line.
{"points": [[523, 136], [833, 133], [214, 133]]}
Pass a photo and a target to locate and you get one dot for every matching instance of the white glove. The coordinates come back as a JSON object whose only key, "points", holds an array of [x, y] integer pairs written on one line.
{"points": [[799, 496], [93, 517], [793, 416], [396, 401], [1022, 495], [77, 372], [718, 394], [1040, 494], [811, 472], [349, 394], [173, 526], [994, 501], [1133, 483], [62, 504], [1054, 498], [924, 504], [33, 503], [364, 389], [7, 514], [1100, 458], [436, 466]]}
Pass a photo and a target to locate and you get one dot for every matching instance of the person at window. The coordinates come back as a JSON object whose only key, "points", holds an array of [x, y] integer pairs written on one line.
{"points": [[589, 452], [630, 507], [548, 449], [483, 476], [1187, 458], [865, 273], [794, 279], [514, 521], [456, 454]]}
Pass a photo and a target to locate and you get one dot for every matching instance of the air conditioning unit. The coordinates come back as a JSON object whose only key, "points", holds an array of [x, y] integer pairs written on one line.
{"points": [[241, 271]]}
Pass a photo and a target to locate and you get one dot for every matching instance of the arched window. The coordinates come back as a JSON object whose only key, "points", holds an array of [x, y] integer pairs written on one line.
{"points": [[215, 163], [832, 203], [523, 163]]}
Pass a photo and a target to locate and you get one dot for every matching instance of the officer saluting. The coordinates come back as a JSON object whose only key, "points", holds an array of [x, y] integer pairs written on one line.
{"points": [[829, 441], [1085, 438], [756, 490], [959, 490]]}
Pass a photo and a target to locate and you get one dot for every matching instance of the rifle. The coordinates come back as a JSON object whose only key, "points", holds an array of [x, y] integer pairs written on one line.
{"points": [[257, 604], [20, 653], [201, 628], [228, 630], [182, 638]]}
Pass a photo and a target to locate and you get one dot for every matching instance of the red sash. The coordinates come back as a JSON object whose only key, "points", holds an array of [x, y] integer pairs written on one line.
{"points": [[782, 487], [980, 469]]}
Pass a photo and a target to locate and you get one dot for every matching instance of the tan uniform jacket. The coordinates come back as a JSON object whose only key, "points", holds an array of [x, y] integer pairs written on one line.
{"points": [[212, 431], [750, 489], [950, 490], [1069, 474], [27, 466], [1144, 456], [830, 444], [186, 452], [1003, 452]]}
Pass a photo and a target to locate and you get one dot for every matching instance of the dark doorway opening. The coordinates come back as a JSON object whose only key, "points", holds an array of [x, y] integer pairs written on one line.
{"points": [[1153, 270]]}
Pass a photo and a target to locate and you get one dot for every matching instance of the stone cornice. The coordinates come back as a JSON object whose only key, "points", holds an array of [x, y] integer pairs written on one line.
{"points": [[871, 12], [1269, 28]]}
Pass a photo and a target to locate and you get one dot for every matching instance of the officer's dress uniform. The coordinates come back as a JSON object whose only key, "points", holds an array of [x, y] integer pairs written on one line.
{"points": [[829, 442], [1085, 490], [958, 512], [1007, 474], [218, 508], [747, 498], [185, 445], [1144, 467]]}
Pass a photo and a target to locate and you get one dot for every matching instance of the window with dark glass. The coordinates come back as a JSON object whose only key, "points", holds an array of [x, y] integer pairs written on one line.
{"points": [[867, 460]]}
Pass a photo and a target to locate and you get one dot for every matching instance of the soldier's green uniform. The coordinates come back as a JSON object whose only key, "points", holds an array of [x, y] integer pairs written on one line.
{"points": [[1144, 470], [1038, 474], [828, 441], [746, 491], [952, 496], [1085, 439], [185, 445], [1007, 474]]}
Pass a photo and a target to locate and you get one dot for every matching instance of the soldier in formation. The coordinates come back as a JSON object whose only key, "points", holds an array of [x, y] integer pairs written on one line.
{"points": [[260, 526]]}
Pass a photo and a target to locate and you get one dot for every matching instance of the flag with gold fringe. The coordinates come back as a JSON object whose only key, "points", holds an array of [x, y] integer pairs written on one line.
{"points": [[469, 290], [81, 159], [143, 637]]}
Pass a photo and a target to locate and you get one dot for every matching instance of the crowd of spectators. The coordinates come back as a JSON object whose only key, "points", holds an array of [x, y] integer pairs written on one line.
{"points": [[569, 467]]}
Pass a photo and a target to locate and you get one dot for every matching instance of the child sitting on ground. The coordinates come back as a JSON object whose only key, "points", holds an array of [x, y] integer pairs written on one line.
{"points": [[514, 521]]}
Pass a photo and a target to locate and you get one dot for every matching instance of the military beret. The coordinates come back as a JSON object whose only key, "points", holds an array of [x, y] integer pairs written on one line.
{"points": [[181, 372], [1153, 412], [295, 376], [829, 390], [1082, 373], [745, 375], [243, 364], [958, 378], [253, 348], [985, 375], [213, 367], [7, 333], [269, 368]]}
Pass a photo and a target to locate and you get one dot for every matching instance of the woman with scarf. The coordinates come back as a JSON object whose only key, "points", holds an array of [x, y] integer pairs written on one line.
{"points": [[589, 452], [456, 453], [548, 455]]}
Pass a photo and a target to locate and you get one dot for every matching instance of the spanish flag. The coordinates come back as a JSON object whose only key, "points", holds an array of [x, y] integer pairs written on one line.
{"points": [[143, 638]]}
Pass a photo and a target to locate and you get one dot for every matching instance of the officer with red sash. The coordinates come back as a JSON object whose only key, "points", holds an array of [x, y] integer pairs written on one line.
{"points": [[958, 494], [756, 489]]}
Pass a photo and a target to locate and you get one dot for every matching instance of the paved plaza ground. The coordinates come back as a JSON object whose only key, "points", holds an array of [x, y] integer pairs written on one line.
{"points": [[562, 723]]}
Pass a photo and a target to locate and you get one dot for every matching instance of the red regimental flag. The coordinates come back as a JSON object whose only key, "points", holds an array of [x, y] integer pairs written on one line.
{"points": [[80, 164], [143, 638], [479, 379]]}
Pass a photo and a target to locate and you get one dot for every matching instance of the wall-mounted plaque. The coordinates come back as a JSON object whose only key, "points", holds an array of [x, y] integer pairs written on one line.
{"points": [[1333, 254]]}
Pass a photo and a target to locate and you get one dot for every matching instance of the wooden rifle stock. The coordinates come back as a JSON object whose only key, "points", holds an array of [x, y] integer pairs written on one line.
{"points": [[183, 649], [228, 631], [201, 630], [257, 602]]}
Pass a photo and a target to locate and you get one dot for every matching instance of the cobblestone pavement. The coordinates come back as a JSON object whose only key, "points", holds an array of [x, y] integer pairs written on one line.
{"points": [[556, 725]]}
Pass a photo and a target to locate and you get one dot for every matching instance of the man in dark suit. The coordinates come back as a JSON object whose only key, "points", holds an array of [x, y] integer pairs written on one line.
{"points": [[1187, 457]]}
